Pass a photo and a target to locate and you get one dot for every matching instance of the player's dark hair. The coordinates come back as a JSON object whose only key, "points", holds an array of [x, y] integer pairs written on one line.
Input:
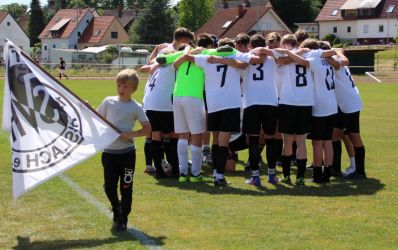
{"points": [[182, 32], [205, 41], [242, 38], [226, 41], [310, 44], [301, 36], [289, 39], [257, 41], [324, 45]]}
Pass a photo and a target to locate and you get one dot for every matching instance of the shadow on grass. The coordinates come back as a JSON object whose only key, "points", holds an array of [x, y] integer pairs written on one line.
{"points": [[336, 188], [24, 242]]}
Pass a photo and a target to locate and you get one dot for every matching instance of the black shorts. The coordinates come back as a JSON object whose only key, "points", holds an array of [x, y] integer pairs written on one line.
{"points": [[322, 128], [339, 120], [351, 121], [239, 143], [227, 120], [294, 120], [162, 121], [259, 116]]}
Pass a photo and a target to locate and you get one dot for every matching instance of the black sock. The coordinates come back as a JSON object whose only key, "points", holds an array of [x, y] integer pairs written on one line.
{"points": [[157, 154], [270, 153], [317, 174], [326, 173], [170, 150], [337, 156], [214, 153], [301, 166], [254, 153], [221, 159], [147, 151], [286, 160], [278, 149], [360, 160]]}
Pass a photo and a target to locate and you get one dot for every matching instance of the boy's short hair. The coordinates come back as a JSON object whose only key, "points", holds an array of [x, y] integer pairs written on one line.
{"points": [[289, 39], [310, 43], [324, 45], [226, 41], [182, 32], [301, 36], [128, 76], [257, 41], [205, 40], [273, 37], [242, 38]]}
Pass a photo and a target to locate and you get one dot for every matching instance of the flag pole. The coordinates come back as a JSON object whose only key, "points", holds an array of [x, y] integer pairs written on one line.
{"points": [[73, 94]]}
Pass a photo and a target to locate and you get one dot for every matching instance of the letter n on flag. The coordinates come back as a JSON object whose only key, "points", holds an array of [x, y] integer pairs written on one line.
{"points": [[51, 129]]}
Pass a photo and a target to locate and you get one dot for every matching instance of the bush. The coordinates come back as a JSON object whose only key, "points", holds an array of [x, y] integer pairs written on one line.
{"points": [[332, 39]]}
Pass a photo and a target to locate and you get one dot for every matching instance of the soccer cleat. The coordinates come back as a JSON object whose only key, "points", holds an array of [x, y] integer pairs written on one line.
{"points": [[121, 226], [300, 182], [183, 178], [272, 179], [195, 179], [149, 169], [207, 160], [221, 182], [355, 175], [348, 171], [167, 168], [286, 180], [336, 173], [254, 180]]}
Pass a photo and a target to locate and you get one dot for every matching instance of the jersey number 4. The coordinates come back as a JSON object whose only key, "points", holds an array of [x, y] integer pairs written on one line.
{"points": [[301, 80], [224, 73]]}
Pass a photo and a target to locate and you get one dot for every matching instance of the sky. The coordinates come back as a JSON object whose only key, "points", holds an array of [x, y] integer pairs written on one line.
{"points": [[27, 2]]}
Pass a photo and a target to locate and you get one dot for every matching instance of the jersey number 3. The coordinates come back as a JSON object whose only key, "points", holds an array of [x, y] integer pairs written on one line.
{"points": [[301, 80], [261, 71], [224, 73]]}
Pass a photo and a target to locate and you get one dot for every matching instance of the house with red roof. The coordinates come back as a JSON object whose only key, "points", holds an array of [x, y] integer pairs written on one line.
{"points": [[10, 29], [78, 29], [229, 22], [360, 21]]}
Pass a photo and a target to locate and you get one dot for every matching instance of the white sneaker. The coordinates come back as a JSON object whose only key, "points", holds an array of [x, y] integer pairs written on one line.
{"points": [[150, 169], [166, 167], [349, 170]]}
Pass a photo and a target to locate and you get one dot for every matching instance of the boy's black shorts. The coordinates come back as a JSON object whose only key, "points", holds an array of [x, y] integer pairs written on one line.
{"points": [[322, 128], [339, 120], [227, 120], [239, 143], [294, 119], [260, 116], [162, 121], [349, 122]]}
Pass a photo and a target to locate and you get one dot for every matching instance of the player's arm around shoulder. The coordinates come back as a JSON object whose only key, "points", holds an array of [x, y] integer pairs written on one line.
{"points": [[296, 58]]}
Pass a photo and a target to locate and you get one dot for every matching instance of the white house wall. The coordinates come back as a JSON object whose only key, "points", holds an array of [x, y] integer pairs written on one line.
{"points": [[268, 22], [13, 32]]}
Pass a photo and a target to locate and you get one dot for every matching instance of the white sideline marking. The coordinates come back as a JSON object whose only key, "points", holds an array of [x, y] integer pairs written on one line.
{"points": [[372, 76], [146, 241]]}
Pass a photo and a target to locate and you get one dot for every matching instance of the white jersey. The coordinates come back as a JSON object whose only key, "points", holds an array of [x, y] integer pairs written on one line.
{"points": [[159, 89], [222, 83], [325, 103], [347, 93], [259, 86], [296, 85]]}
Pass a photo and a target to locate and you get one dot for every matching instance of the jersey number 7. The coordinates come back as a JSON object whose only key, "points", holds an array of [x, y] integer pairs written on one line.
{"points": [[224, 73]]}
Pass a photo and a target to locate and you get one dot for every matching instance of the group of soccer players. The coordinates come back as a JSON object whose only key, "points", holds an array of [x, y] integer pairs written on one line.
{"points": [[250, 93]]}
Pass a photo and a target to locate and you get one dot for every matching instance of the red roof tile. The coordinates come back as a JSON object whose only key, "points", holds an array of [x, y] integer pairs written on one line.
{"points": [[69, 27], [238, 25], [3, 15], [127, 17], [328, 8], [98, 24]]}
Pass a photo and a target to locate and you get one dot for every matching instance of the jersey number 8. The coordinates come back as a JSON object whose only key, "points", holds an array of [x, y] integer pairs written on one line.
{"points": [[301, 80]]}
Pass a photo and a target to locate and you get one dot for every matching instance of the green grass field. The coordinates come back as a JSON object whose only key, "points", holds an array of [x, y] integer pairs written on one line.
{"points": [[346, 214]]}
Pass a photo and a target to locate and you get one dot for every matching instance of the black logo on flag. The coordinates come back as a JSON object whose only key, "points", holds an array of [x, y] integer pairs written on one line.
{"points": [[45, 125]]}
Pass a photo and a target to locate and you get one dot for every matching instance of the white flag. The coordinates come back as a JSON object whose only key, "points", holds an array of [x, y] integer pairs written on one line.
{"points": [[51, 129]]}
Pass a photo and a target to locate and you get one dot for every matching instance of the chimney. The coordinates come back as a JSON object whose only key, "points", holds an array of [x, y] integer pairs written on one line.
{"points": [[119, 10], [240, 11]]}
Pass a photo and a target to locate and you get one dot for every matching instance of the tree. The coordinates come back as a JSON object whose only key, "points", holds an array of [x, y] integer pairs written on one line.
{"points": [[15, 10], [194, 13], [36, 25], [296, 11], [155, 23], [132, 4]]}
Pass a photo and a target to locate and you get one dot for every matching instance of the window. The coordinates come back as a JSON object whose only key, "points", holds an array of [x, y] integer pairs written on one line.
{"points": [[390, 8], [334, 12], [79, 33], [334, 29], [348, 29], [226, 24], [45, 47], [96, 32], [114, 35], [366, 28], [87, 21], [54, 46], [8, 23], [381, 28]]}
